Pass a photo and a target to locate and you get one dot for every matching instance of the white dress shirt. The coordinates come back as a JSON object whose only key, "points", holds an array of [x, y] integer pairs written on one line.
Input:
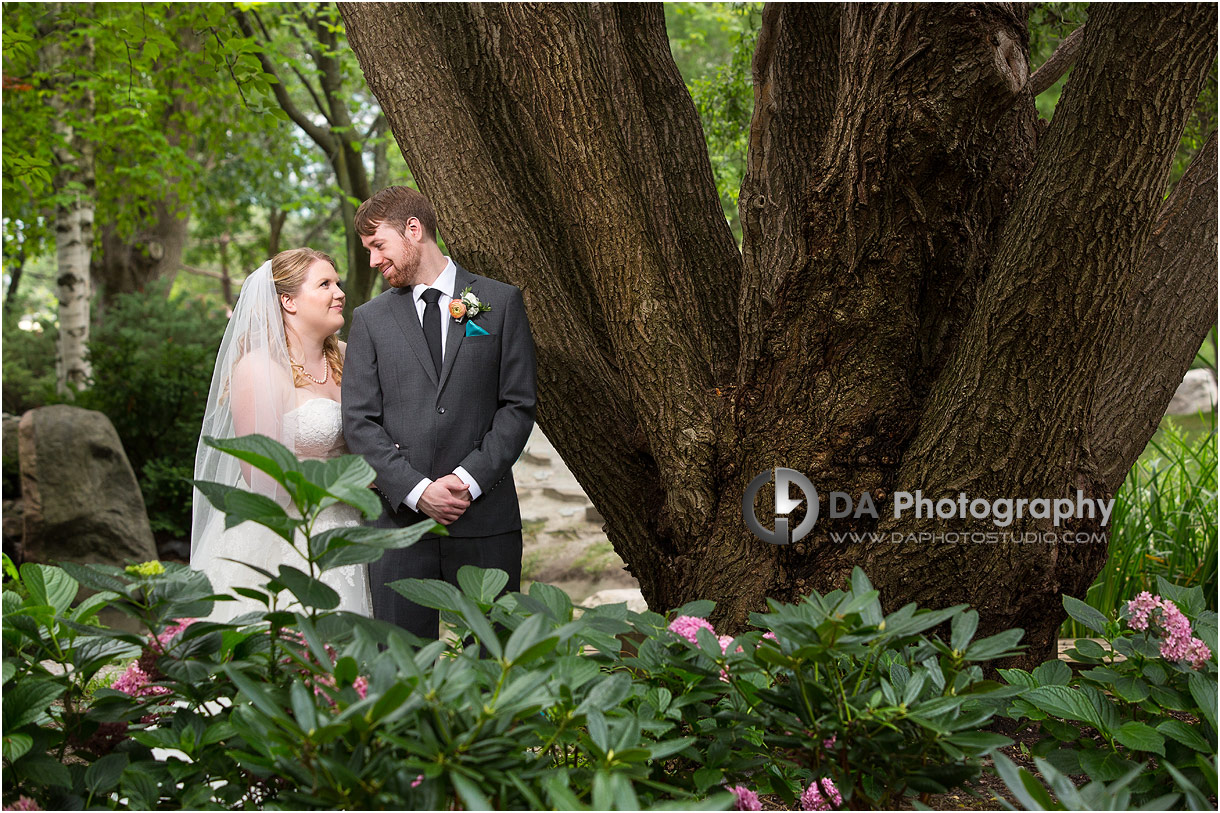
{"points": [[445, 283]]}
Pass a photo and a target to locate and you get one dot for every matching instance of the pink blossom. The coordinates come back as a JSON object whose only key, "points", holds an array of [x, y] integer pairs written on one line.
{"points": [[830, 743], [1162, 617], [361, 685], [812, 798], [415, 783], [820, 798], [135, 682], [23, 803], [688, 627], [770, 636], [828, 785], [746, 798], [172, 631]]}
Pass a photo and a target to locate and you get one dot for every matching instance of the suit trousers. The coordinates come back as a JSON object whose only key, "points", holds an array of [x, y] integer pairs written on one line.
{"points": [[438, 557]]}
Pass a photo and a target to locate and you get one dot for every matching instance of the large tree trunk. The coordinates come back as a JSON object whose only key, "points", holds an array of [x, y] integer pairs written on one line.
{"points": [[127, 264], [74, 194], [931, 295]]}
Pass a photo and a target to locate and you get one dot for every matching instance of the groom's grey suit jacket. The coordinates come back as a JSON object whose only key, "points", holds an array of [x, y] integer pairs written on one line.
{"points": [[410, 423]]}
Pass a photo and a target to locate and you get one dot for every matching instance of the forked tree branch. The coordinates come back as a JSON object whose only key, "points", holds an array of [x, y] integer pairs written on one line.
{"points": [[1058, 64]]}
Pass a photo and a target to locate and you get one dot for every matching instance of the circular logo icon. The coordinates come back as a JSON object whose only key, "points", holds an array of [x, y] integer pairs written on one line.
{"points": [[784, 504]]}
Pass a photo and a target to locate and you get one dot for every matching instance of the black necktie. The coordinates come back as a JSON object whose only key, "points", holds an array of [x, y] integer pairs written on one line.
{"points": [[432, 325]]}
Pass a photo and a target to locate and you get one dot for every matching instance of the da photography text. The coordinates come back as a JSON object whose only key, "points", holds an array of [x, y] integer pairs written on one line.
{"points": [[912, 505]]}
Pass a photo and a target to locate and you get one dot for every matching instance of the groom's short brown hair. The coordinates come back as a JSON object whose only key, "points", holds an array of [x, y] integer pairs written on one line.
{"points": [[396, 205]]}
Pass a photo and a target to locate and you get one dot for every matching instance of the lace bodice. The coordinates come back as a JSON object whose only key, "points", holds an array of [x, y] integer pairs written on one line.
{"points": [[317, 425]]}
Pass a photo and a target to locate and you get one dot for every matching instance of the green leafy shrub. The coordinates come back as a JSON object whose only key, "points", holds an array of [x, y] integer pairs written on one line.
{"points": [[29, 365], [533, 704], [1148, 698], [152, 361], [836, 690]]}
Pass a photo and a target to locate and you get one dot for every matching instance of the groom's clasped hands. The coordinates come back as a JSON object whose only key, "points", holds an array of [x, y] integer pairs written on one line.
{"points": [[445, 499]]}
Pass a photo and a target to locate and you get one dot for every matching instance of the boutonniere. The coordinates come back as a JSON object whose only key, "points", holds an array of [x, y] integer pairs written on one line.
{"points": [[467, 305]]}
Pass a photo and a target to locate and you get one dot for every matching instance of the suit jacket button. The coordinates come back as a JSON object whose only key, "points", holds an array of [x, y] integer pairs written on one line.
{"points": [[441, 410]]}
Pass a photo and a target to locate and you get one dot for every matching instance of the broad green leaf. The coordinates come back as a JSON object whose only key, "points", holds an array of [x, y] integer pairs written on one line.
{"points": [[1203, 690], [1085, 615], [556, 601], [472, 798], [1132, 689], [1104, 764], [16, 745], [979, 741], [28, 700], [1140, 737], [1069, 704], [104, 774], [432, 593], [480, 584], [1188, 735], [309, 591], [999, 645], [1052, 673], [1090, 648], [259, 451], [962, 629], [49, 585]]}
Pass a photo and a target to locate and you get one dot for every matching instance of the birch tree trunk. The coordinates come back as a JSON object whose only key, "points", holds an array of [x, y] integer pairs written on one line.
{"points": [[74, 194]]}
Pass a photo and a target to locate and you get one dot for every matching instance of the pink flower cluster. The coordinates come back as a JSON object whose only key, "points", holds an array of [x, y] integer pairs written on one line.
{"points": [[687, 626], [821, 798], [142, 672], [746, 798], [172, 631], [136, 682], [23, 803], [1161, 616]]}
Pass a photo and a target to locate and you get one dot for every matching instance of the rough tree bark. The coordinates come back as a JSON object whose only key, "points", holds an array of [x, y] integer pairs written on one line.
{"points": [[933, 292], [74, 194]]}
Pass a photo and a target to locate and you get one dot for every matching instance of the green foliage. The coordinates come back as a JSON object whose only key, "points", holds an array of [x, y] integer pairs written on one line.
{"points": [[533, 704], [1049, 25], [29, 363], [1133, 718], [1164, 521], [152, 363], [713, 45], [867, 698]]}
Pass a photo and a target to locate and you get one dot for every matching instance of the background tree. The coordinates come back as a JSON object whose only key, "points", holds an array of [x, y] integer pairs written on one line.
{"points": [[934, 290], [303, 48]]}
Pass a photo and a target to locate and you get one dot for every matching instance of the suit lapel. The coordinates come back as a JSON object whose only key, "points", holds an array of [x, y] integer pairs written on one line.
{"points": [[457, 328], [408, 320]]}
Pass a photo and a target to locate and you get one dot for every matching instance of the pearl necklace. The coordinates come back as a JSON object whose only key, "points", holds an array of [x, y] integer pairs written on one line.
{"points": [[325, 374]]}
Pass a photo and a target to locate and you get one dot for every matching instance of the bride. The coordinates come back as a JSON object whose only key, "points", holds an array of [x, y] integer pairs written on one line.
{"points": [[277, 374]]}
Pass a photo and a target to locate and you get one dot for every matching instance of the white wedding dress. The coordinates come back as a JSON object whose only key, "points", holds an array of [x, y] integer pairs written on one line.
{"points": [[317, 425]]}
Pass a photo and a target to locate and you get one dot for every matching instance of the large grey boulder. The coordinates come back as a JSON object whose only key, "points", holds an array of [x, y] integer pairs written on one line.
{"points": [[82, 501], [1196, 393]]}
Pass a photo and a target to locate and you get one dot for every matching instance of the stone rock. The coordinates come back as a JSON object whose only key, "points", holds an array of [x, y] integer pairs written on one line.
{"points": [[13, 529], [631, 596], [1196, 393], [82, 501], [8, 451]]}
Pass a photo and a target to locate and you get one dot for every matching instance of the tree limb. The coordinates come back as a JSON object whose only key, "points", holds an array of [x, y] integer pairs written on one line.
{"points": [[1172, 310], [320, 136], [1060, 61]]}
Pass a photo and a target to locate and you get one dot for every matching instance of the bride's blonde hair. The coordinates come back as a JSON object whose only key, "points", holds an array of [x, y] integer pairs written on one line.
{"points": [[289, 270]]}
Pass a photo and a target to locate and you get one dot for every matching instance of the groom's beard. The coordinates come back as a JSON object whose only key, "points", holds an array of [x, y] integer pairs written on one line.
{"points": [[405, 271]]}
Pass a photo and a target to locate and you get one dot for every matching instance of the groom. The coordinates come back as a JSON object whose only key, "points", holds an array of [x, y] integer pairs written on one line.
{"points": [[439, 397]]}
